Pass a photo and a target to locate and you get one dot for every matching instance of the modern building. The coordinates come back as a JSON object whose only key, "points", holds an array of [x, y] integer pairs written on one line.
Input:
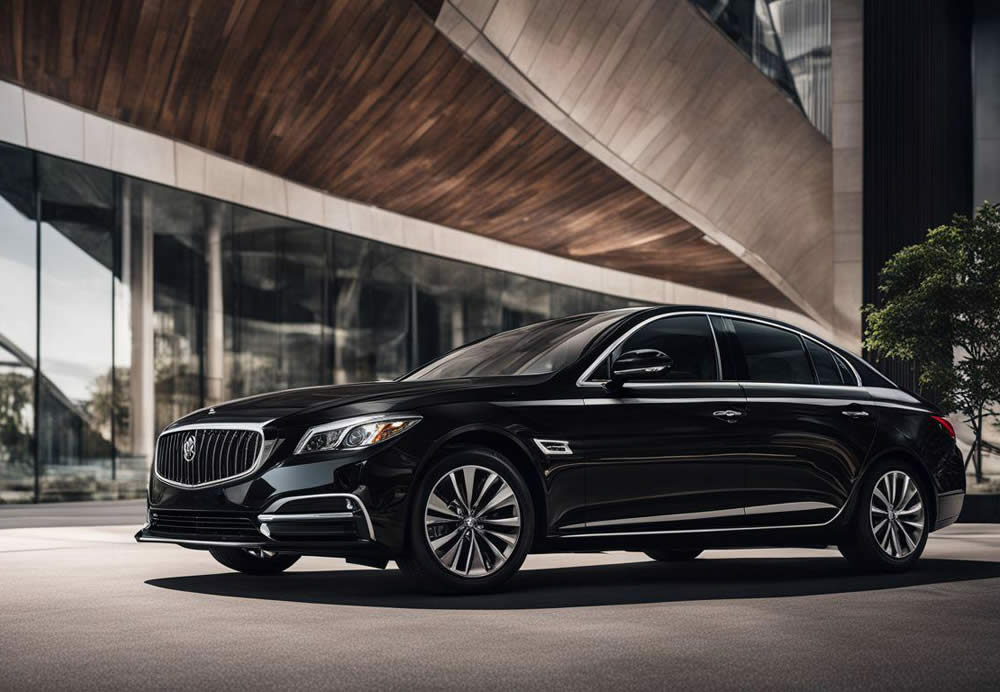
{"points": [[203, 201]]}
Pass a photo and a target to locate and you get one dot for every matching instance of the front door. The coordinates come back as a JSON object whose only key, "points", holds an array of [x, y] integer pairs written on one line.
{"points": [[664, 455]]}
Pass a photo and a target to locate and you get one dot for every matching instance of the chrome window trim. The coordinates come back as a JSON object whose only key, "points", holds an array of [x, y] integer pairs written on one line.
{"points": [[345, 424], [265, 450], [280, 502], [583, 381], [718, 351], [604, 401], [804, 335]]}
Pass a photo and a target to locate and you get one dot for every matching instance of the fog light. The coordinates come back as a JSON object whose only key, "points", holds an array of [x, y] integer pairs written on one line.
{"points": [[266, 530]]}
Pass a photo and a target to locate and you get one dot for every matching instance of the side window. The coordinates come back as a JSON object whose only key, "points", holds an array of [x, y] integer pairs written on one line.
{"points": [[829, 369], [846, 373], [687, 339], [771, 354]]}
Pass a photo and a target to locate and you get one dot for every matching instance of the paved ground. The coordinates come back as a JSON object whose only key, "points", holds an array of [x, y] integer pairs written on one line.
{"points": [[86, 608]]}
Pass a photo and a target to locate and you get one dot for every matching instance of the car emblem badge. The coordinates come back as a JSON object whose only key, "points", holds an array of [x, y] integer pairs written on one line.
{"points": [[211, 411], [190, 446]]}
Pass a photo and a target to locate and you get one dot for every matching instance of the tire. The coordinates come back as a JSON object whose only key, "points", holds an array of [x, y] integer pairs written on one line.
{"points": [[472, 552], [891, 521], [668, 555], [242, 560]]}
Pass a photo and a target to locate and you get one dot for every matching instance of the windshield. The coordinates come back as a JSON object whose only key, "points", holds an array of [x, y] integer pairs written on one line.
{"points": [[533, 350]]}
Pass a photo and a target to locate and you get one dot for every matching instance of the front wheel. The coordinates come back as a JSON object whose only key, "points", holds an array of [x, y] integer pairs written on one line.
{"points": [[471, 525], [891, 523], [253, 560]]}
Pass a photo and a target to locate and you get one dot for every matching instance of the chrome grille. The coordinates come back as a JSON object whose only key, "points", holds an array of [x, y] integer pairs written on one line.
{"points": [[201, 456]]}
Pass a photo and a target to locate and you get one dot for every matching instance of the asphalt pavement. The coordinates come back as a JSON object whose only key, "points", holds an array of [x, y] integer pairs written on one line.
{"points": [[84, 607]]}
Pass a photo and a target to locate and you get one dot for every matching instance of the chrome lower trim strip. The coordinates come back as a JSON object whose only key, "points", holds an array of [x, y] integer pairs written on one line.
{"points": [[714, 530], [269, 512], [682, 516], [709, 514], [305, 517], [181, 541], [789, 507]]}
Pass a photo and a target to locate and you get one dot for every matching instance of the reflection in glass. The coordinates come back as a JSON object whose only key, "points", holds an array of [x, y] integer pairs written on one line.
{"points": [[524, 301], [371, 302], [154, 302], [17, 325], [454, 304], [789, 41], [77, 259]]}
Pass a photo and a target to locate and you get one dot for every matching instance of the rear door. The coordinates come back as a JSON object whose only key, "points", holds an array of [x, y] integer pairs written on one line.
{"points": [[809, 424]]}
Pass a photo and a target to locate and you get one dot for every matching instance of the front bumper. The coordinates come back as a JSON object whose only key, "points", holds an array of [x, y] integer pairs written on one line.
{"points": [[326, 523], [335, 504]]}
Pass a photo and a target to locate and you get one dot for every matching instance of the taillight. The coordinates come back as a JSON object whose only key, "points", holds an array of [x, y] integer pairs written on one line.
{"points": [[946, 424]]}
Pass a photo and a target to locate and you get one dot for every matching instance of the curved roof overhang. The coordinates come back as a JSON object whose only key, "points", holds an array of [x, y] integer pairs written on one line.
{"points": [[369, 101]]}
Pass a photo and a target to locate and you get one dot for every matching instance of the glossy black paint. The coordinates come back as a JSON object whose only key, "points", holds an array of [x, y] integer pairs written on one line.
{"points": [[721, 463]]}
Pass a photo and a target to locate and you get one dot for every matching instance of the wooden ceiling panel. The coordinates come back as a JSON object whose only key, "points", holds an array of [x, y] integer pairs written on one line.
{"points": [[367, 101]]}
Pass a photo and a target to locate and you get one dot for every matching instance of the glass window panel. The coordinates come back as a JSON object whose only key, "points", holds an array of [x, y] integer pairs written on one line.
{"points": [[826, 366], [371, 299], [771, 354], [532, 350], [525, 301], [18, 276], [77, 205], [303, 311], [252, 304], [687, 339], [176, 225], [452, 305]]}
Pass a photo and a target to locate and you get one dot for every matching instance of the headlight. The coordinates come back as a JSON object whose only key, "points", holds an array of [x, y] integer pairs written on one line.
{"points": [[355, 433]]}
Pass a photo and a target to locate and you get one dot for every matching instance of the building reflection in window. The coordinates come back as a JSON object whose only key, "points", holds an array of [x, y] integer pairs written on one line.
{"points": [[155, 302]]}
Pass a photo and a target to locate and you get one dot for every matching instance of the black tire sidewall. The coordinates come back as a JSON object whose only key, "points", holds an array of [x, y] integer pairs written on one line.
{"points": [[863, 546], [419, 559]]}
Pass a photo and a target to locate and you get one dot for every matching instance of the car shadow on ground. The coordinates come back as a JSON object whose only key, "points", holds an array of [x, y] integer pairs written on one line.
{"points": [[569, 587]]}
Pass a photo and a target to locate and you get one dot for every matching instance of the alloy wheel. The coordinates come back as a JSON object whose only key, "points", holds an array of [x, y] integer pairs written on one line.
{"points": [[472, 521], [897, 514]]}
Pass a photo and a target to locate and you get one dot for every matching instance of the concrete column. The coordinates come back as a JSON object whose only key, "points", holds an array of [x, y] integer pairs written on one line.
{"points": [[215, 316], [142, 376], [847, 36]]}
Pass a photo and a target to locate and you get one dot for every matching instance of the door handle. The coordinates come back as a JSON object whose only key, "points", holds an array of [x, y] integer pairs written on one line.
{"points": [[728, 415], [855, 414]]}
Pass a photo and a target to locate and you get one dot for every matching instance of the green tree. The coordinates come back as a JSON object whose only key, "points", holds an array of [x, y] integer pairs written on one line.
{"points": [[940, 309]]}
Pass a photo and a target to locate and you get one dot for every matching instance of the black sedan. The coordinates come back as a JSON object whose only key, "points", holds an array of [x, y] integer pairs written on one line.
{"points": [[663, 430]]}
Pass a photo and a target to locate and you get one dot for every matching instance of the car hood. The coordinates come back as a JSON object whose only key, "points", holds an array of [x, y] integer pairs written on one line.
{"points": [[309, 400]]}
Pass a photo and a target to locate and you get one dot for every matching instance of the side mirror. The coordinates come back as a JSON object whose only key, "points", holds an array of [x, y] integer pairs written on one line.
{"points": [[641, 364]]}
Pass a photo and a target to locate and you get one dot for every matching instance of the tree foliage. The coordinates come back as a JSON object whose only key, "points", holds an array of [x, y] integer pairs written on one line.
{"points": [[940, 309]]}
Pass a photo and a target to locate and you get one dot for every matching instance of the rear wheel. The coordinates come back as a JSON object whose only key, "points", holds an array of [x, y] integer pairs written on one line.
{"points": [[891, 522], [668, 555], [472, 523], [253, 560]]}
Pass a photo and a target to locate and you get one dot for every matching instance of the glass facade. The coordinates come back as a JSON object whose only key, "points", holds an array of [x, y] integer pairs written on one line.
{"points": [[125, 304], [789, 41]]}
